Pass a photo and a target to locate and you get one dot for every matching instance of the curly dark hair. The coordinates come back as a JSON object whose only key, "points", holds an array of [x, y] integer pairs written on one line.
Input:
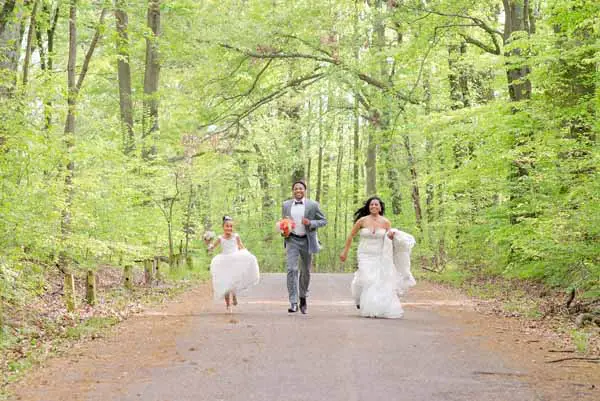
{"points": [[226, 218], [364, 210]]}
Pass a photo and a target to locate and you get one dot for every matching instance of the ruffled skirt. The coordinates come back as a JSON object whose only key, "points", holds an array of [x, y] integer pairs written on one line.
{"points": [[235, 271]]}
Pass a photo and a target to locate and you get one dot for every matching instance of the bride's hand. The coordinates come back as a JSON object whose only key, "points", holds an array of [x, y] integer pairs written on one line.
{"points": [[343, 256], [391, 234]]}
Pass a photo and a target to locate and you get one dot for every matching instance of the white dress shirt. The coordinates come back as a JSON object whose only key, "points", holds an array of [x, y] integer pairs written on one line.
{"points": [[298, 215]]}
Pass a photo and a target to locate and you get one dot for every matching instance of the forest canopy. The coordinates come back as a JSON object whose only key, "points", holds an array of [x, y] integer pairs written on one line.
{"points": [[129, 128]]}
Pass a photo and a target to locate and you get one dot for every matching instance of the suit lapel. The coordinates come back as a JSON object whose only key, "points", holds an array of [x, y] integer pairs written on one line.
{"points": [[306, 207]]}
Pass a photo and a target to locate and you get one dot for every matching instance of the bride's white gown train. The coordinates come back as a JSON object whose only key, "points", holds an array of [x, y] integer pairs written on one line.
{"points": [[383, 273]]}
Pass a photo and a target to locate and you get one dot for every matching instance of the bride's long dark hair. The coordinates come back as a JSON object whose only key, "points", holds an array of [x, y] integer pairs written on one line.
{"points": [[364, 210]]}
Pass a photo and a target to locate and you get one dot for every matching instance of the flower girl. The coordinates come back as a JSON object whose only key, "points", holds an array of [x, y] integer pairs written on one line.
{"points": [[234, 269]]}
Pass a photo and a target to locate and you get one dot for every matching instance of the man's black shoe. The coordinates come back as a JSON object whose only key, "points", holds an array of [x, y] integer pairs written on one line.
{"points": [[303, 305], [357, 306], [293, 308]]}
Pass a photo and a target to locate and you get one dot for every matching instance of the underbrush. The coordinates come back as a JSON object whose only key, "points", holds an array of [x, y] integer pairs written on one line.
{"points": [[37, 324], [537, 306]]}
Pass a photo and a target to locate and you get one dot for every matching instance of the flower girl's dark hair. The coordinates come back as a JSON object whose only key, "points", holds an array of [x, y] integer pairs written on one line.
{"points": [[364, 210], [226, 218]]}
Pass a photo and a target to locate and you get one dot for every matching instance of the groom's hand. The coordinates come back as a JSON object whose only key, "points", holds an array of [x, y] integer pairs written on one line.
{"points": [[305, 221]]}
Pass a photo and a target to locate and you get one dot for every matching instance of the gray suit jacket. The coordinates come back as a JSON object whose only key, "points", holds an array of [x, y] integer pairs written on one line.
{"points": [[313, 212]]}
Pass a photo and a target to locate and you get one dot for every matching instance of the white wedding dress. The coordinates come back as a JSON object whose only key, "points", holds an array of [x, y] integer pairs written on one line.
{"points": [[383, 273], [233, 269]]}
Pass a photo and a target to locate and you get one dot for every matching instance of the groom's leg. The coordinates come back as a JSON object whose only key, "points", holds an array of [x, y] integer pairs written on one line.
{"points": [[293, 253], [305, 267]]}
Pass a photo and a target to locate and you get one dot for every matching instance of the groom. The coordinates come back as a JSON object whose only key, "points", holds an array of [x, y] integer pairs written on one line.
{"points": [[301, 244]]}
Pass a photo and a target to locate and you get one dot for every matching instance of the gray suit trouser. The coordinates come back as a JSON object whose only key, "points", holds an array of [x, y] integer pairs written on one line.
{"points": [[298, 274]]}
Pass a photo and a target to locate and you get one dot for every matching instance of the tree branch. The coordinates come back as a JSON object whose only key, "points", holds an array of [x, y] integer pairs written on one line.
{"points": [[307, 43], [256, 79], [90, 52], [492, 50], [330, 60], [280, 54]]}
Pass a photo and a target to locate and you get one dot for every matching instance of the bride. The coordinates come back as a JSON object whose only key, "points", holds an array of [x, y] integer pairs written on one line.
{"points": [[383, 262]]}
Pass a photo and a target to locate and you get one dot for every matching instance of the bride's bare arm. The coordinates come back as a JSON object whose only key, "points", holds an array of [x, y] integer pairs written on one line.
{"points": [[388, 227], [357, 226]]}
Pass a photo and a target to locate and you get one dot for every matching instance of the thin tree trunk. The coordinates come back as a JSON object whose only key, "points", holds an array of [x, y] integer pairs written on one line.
{"points": [[356, 154], [459, 90], [29, 44], [124, 76], [309, 151], [371, 164], [73, 86], [91, 294], [338, 186], [10, 40], [46, 51], [263, 181], [128, 277], [150, 125], [320, 159], [416, 198]]}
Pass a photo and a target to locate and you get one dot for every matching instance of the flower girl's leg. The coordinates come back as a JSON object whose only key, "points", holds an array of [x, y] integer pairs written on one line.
{"points": [[234, 298]]}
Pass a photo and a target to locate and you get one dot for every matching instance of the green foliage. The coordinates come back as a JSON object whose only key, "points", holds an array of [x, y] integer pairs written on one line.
{"points": [[250, 96]]}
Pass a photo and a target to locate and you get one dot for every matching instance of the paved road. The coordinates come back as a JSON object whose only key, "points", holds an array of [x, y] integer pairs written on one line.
{"points": [[262, 353], [190, 349]]}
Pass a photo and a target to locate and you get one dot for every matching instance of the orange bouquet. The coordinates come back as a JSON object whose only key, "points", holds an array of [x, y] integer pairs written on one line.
{"points": [[285, 226]]}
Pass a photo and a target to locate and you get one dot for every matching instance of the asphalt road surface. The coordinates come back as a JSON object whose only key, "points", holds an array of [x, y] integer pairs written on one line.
{"points": [[260, 352]]}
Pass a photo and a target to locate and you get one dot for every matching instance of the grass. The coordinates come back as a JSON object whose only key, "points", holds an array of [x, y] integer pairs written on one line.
{"points": [[581, 340], [90, 327]]}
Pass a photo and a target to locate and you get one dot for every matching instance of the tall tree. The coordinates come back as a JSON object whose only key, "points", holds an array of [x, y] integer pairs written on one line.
{"points": [[518, 18], [74, 84], [150, 125], [124, 76]]}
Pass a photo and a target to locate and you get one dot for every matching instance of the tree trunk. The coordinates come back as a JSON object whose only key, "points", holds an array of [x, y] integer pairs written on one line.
{"points": [[128, 277], [65, 227], [416, 198], [518, 17], [320, 159], [69, 292], [46, 50], [156, 268], [263, 180], [124, 76], [393, 176], [150, 125], [338, 186], [91, 293], [189, 224], [10, 40], [29, 44], [148, 272], [73, 87], [459, 90], [371, 164], [356, 154]]}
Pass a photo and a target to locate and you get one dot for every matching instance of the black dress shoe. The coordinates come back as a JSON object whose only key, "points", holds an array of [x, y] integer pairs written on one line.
{"points": [[357, 306], [293, 308], [303, 305]]}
